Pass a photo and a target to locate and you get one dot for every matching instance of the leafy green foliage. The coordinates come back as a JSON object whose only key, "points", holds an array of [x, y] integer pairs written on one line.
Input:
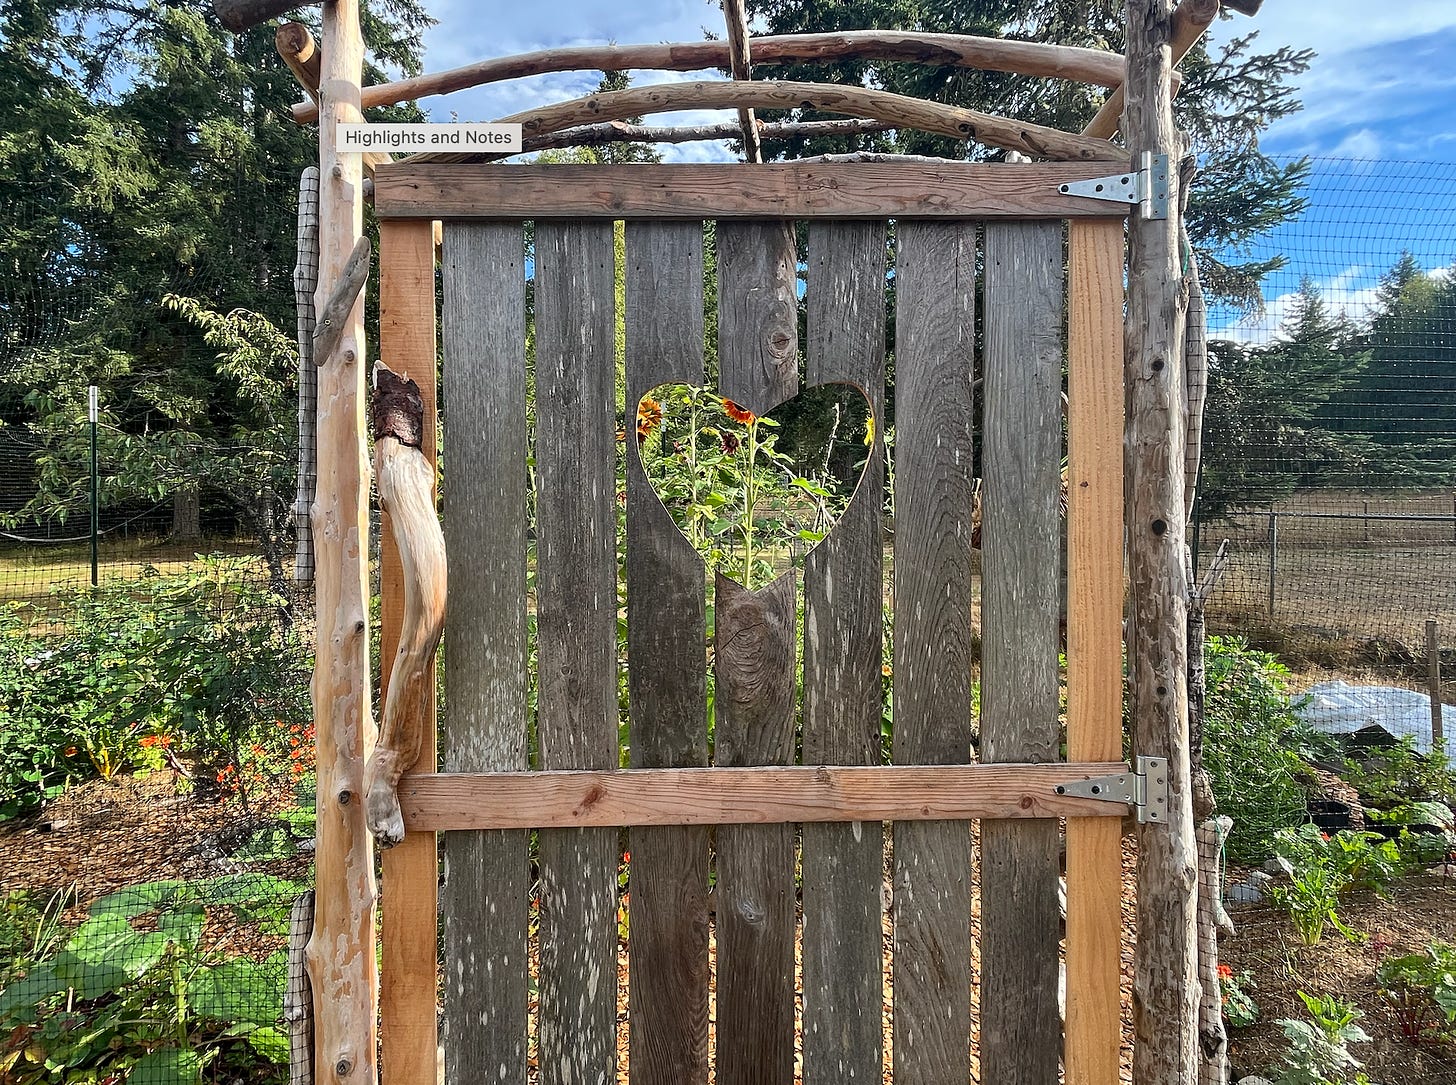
{"points": [[1251, 733], [1393, 776], [1319, 1049], [1421, 991], [134, 989], [195, 663]]}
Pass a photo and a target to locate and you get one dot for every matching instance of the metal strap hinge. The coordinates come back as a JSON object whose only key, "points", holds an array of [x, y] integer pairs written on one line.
{"points": [[1147, 186], [1145, 790]]}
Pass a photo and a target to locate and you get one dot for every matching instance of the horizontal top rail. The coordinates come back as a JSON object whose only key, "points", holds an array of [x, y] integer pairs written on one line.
{"points": [[765, 795], [1409, 517], [864, 190]]}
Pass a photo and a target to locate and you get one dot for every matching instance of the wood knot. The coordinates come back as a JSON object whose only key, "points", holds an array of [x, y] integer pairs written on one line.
{"points": [[396, 408]]}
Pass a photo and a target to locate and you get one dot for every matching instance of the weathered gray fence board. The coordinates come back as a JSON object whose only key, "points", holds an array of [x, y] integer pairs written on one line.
{"points": [[577, 639], [843, 628], [1020, 558], [755, 667], [934, 334], [487, 879], [666, 632]]}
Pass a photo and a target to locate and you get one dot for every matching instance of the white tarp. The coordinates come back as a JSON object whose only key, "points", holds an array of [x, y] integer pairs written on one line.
{"points": [[1339, 708]]}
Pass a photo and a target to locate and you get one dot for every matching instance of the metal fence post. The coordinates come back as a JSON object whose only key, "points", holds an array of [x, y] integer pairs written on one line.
{"points": [[93, 404], [1433, 676]]}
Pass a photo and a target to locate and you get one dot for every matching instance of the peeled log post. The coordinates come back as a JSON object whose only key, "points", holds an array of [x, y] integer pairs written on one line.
{"points": [[953, 50], [740, 65], [240, 15], [901, 110], [406, 481], [1190, 22], [1195, 368], [1165, 980], [296, 46], [341, 954], [590, 135]]}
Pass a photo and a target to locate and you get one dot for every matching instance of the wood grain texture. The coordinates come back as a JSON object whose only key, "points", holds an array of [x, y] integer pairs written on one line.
{"points": [[1094, 639], [871, 190], [487, 883], [755, 669], [666, 676], [342, 964], [758, 339], [935, 275], [843, 979], [960, 50], [1020, 558], [750, 796], [1165, 973], [410, 880], [576, 609]]}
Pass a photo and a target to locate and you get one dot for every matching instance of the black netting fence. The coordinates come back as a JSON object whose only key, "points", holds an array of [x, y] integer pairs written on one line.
{"points": [[1330, 454]]}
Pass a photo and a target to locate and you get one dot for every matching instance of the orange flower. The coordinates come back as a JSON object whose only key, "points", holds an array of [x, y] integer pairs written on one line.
{"points": [[649, 416], [739, 414], [72, 751], [150, 740], [1225, 972]]}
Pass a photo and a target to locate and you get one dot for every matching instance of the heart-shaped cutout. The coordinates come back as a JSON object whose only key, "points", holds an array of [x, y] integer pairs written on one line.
{"points": [[753, 495]]}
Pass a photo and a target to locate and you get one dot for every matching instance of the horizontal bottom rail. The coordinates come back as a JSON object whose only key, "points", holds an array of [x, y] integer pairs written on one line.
{"points": [[748, 796]]}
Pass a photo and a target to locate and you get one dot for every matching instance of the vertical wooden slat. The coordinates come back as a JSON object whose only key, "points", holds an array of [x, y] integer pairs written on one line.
{"points": [[576, 610], [934, 335], [1020, 556], [843, 629], [411, 875], [754, 696], [487, 878], [666, 630], [1094, 640]]}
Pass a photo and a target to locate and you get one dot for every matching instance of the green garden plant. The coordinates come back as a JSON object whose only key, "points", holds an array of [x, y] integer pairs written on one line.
{"points": [[1251, 735], [1239, 1008], [1319, 1049], [1420, 989], [135, 990]]}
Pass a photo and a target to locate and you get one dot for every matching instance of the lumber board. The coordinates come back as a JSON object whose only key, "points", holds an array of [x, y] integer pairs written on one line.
{"points": [[1020, 556], [1094, 639], [935, 274], [576, 608], [960, 50], [410, 879], [873, 190], [843, 979], [755, 670], [487, 878], [762, 795], [666, 676]]}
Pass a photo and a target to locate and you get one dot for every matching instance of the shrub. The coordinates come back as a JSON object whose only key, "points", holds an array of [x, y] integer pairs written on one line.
{"points": [[114, 678], [1250, 735], [1319, 1051], [1421, 991]]}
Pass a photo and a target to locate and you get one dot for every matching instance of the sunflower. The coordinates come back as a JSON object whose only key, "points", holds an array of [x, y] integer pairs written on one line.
{"points": [[649, 417], [741, 415]]}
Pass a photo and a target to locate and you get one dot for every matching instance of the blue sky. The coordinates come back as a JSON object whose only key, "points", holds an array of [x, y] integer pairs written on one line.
{"points": [[1382, 87]]}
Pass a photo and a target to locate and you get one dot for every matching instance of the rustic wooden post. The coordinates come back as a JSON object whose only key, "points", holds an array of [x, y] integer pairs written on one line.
{"points": [[341, 958], [1433, 677], [1165, 982]]}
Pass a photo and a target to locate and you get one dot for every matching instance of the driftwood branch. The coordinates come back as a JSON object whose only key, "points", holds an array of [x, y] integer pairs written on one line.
{"points": [[345, 292], [741, 66], [953, 50], [898, 109], [1191, 19], [240, 15], [590, 135], [406, 482]]}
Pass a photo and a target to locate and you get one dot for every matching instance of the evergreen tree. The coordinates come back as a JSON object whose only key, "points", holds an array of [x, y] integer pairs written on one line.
{"points": [[1228, 98]]}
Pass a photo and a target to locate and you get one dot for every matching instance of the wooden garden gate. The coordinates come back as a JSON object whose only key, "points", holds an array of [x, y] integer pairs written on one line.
{"points": [[992, 255]]}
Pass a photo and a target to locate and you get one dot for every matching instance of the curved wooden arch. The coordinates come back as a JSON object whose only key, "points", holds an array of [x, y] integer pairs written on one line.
{"points": [[897, 109], [958, 50]]}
